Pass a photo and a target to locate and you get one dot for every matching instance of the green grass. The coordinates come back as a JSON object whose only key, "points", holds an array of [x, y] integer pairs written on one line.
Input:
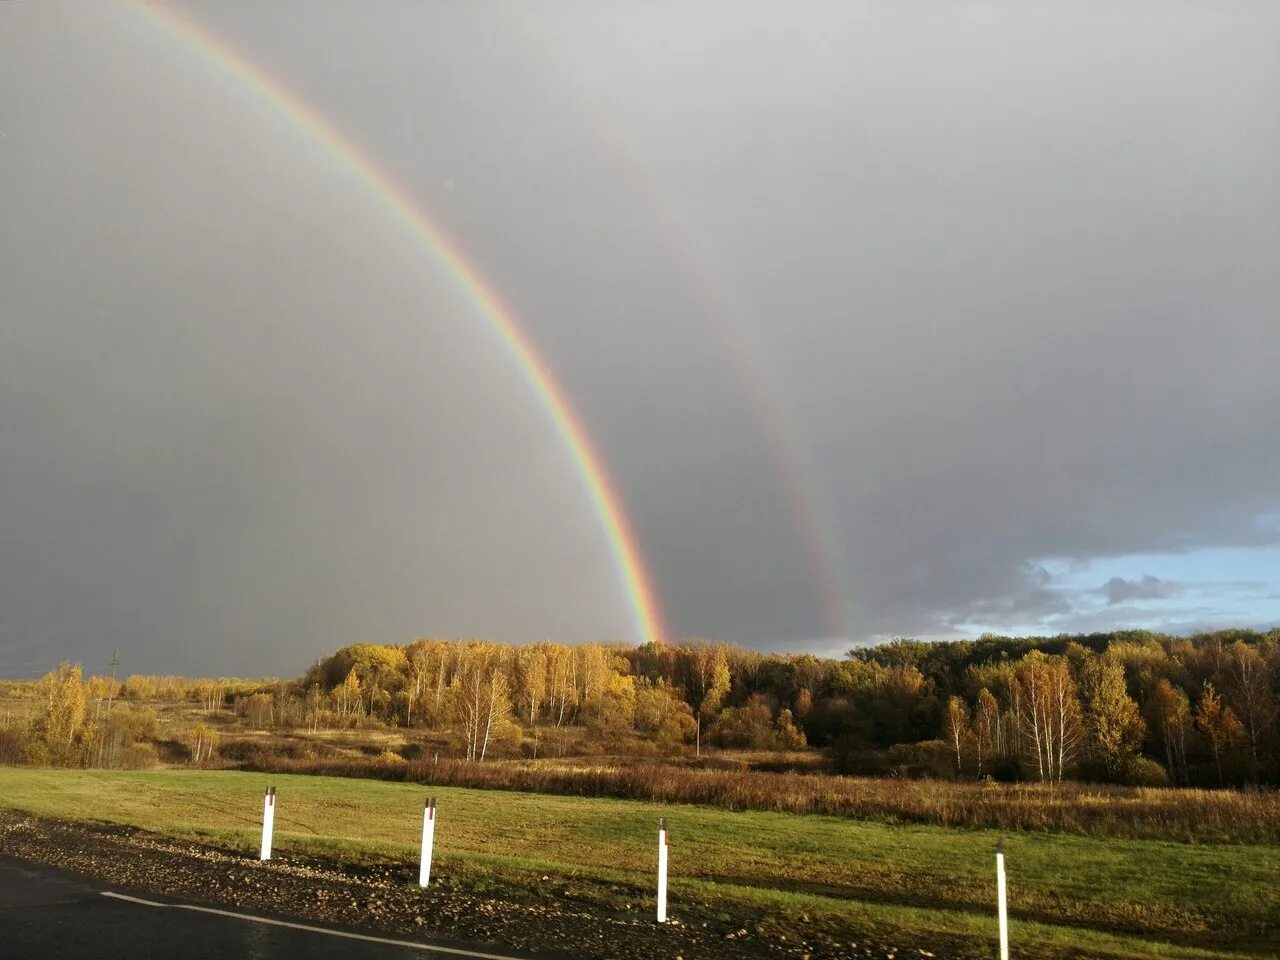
{"points": [[910, 886]]}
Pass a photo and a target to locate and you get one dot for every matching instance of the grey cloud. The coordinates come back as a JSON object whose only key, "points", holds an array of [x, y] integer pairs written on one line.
{"points": [[1030, 597], [1180, 621], [1009, 282], [1117, 590]]}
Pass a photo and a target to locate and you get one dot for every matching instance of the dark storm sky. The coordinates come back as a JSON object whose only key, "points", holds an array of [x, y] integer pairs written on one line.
{"points": [[886, 319]]}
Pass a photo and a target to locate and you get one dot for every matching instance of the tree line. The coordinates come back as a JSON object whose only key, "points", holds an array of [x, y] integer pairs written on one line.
{"points": [[1133, 707], [661, 699], [1129, 707]]}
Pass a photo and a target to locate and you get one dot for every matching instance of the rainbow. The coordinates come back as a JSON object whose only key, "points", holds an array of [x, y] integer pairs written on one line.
{"points": [[632, 571], [807, 499]]}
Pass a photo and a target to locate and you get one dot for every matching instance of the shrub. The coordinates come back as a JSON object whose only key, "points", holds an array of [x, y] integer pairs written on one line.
{"points": [[1007, 770], [1143, 772], [1182, 815], [932, 758], [749, 726], [35, 753], [139, 756], [258, 753], [12, 747]]}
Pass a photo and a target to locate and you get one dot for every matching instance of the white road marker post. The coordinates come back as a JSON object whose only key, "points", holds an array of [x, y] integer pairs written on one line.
{"points": [[662, 870], [268, 822], [1002, 902], [428, 841]]}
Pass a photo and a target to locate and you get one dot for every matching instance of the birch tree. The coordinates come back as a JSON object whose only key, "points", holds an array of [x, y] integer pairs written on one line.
{"points": [[1250, 693], [1048, 712], [986, 719], [956, 728], [1172, 711]]}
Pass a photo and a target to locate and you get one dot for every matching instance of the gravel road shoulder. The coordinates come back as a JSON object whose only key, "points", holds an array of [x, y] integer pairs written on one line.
{"points": [[387, 900]]}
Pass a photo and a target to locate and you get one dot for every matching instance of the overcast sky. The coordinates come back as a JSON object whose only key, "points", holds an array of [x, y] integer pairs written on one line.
{"points": [[921, 319]]}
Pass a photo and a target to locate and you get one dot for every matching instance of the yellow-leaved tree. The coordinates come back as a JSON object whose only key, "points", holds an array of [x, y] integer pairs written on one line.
{"points": [[62, 710]]}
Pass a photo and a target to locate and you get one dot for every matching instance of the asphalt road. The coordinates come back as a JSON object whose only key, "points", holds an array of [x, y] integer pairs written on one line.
{"points": [[48, 913]]}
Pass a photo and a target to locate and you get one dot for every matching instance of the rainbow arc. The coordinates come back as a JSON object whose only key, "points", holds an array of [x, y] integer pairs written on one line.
{"points": [[633, 573]]}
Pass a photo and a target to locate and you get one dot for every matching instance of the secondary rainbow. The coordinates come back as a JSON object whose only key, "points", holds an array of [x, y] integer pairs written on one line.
{"points": [[635, 576], [807, 499]]}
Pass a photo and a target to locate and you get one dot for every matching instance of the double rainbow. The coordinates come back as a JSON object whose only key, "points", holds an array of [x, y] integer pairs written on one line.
{"points": [[632, 571]]}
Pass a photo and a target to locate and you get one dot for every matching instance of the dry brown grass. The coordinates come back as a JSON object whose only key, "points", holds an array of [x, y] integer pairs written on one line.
{"points": [[1181, 815]]}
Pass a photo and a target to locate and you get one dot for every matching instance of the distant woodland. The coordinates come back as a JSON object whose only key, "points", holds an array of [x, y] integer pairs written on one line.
{"points": [[1132, 708]]}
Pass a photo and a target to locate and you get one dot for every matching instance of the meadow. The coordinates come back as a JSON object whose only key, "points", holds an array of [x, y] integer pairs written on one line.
{"points": [[925, 885], [1098, 810]]}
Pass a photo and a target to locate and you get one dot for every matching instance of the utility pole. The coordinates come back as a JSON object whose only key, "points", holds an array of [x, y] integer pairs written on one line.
{"points": [[111, 694]]}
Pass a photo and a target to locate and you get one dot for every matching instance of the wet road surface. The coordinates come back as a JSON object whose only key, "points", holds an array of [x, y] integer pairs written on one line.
{"points": [[47, 913]]}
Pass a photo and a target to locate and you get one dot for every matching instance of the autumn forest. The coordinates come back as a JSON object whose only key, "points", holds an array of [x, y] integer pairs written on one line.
{"points": [[1129, 708]]}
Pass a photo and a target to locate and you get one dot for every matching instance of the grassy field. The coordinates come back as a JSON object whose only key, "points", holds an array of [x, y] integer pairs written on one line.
{"points": [[1107, 811], [926, 886]]}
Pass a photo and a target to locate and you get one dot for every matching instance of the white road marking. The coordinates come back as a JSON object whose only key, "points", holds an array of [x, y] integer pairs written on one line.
{"points": [[425, 947]]}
